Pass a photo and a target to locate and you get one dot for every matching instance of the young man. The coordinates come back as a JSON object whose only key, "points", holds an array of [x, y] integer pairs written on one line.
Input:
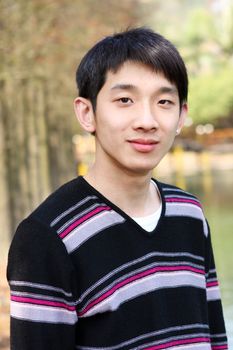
{"points": [[116, 259]]}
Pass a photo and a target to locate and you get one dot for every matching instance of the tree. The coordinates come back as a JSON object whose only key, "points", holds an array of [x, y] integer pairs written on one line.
{"points": [[41, 44]]}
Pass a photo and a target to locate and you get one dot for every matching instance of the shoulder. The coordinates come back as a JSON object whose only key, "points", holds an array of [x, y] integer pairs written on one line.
{"points": [[173, 193], [181, 203], [58, 202], [38, 227]]}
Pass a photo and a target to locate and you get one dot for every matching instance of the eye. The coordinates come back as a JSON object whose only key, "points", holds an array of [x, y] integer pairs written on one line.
{"points": [[125, 100], [165, 102]]}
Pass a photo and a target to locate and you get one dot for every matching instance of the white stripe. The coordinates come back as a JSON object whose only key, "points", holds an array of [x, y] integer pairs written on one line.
{"points": [[62, 215], [219, 335], [41, 313], [90, 228], [211, 279], [201, 346], [135, 272], [148, 335], [134, 262], [186, 209], [145, 285], [39, 286], [43, 297], [213, 293], [183, 197], [176, 189], [218, 343], [173, 189], [82, 213], [177, 338]]}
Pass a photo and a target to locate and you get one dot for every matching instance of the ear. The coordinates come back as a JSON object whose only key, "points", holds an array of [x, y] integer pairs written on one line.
{"points": [[85, 114], [182, 117]]}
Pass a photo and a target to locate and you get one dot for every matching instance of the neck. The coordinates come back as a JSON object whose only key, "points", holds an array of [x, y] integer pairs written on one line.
{"points": [[134, 194]]}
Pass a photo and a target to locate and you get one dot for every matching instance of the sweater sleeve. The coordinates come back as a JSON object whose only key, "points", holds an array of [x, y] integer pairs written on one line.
{"points": [[215, 312], [43, 290]]}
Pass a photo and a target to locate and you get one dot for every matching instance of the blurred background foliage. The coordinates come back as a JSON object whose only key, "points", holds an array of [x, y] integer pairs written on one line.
{"points": [[47, 38], [41, 44]]}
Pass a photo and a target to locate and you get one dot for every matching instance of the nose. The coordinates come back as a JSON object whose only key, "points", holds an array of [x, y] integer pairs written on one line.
{"points": [[145, 118]]}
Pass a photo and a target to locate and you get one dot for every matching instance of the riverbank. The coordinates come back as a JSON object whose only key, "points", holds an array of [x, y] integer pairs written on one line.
{"points": [[188, 163]]}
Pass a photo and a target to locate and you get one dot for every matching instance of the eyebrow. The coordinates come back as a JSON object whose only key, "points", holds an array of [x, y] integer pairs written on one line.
{"points": [[168, 89], [162, 89], [124, 87]]}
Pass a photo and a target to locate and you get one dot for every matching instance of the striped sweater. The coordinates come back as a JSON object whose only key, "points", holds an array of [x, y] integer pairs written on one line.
{"points": [[84, 275]]}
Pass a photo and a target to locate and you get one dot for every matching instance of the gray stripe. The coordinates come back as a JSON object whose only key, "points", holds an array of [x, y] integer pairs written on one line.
{"points": [[82, 213], [213, 293], [177, 190], [62, 215], [179, 337], [211, 280], [144, 336], [39, 286], [132, 273], [43, 314], [190, 210], [183, 197], [211, 275], [173, 189], [134, 262], [145, 285], [43, 297], [220, 335], [90, 228]]}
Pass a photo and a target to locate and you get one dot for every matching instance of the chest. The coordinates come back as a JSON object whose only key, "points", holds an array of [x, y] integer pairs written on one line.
{"points": [[123, 262]]}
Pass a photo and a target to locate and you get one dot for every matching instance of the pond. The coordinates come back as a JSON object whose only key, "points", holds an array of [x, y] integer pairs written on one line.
{"points": [[214, 189]]}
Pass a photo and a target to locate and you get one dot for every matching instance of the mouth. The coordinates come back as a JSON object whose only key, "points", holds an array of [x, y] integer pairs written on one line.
{"points": [[144, 141], [144, 145]]}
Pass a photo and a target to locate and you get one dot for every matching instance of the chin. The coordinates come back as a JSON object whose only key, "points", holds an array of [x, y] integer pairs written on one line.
{"points": [[141, 169]]}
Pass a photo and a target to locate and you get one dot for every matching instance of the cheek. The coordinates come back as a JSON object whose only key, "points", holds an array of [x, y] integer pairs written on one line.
{"points": [[169, 125], [169, 121]]}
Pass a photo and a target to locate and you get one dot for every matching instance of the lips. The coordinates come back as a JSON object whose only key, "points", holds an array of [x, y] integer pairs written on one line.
{"points": [[144, 141], [144, 145]]}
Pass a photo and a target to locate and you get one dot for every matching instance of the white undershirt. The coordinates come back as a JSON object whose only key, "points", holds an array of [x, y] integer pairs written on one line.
{"points": [[149, 222]]}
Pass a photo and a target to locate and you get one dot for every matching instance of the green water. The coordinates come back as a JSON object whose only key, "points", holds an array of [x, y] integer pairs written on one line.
{"points": [[215, 192]]}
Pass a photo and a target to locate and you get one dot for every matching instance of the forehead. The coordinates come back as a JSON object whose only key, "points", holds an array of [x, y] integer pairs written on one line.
{"points": [[138, 75]]}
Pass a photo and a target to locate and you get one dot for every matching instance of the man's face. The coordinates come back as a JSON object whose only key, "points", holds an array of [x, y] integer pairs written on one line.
{"points": [[136, 120]]}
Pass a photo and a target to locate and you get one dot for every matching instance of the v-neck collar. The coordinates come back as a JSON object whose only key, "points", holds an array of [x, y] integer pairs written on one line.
{"points": [[128, 218]]}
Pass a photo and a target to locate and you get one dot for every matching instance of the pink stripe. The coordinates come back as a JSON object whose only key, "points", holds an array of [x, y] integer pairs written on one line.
{"points": [[173, 200], [42, 302], [136, 277], [82, 219], [178, 342], [212, 284], [219, 347]]}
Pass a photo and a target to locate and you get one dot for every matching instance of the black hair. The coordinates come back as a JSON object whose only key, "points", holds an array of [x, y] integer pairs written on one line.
{"points": [[137, 44]]}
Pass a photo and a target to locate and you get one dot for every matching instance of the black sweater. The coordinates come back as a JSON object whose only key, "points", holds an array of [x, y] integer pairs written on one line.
{"points": [[84, 275]]}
